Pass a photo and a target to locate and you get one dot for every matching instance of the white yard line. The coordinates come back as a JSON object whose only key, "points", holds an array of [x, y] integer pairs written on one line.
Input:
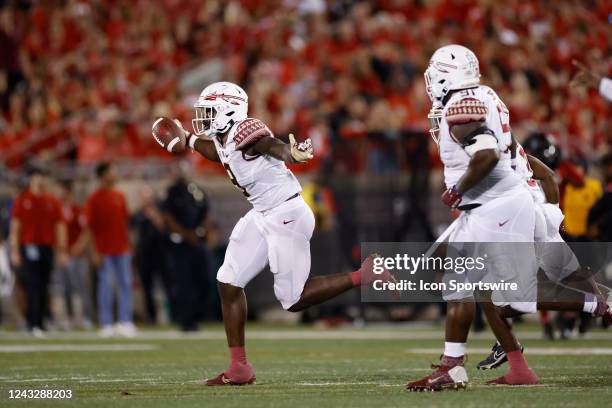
{"points": [[342, 334], [29, 348], [85, 380], [545, 351], [472, 385], [337, 383]]}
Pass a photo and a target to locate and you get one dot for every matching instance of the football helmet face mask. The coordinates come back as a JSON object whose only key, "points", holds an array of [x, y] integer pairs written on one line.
{"points": [[435, 116], [218, 107]]}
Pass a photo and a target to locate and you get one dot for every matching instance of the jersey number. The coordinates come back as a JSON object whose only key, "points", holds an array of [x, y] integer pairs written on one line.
{"points": [[468, 92], [234, 180]]}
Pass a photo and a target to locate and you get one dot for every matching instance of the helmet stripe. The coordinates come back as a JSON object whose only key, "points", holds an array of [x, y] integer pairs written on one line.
{"points": [[224, 97]]}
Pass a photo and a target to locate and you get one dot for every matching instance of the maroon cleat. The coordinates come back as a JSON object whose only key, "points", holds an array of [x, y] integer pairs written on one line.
{"points": [[222, 379], [443, 378], [604, 311], [604, 304]]}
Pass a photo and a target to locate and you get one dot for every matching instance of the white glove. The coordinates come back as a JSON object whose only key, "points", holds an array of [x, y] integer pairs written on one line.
{"points": [[301, 152]]}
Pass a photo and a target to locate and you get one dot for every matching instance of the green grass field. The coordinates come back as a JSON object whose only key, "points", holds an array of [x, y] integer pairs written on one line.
{"points": [[296, 367]]}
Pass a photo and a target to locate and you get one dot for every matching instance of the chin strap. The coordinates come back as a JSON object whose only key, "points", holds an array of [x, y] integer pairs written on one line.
{"points": [[227, 127]]}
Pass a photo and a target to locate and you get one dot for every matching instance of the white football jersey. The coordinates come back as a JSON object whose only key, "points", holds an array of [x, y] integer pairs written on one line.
{"points": [[479, 103], [523, 169], [264, 180]]}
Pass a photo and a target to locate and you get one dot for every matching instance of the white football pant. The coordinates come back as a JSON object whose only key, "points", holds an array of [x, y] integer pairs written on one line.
{"points": [[555, 257], [279, 237], [503, 229]]}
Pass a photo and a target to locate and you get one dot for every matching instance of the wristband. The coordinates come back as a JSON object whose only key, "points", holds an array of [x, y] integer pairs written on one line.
{"points": [[452, 197]]}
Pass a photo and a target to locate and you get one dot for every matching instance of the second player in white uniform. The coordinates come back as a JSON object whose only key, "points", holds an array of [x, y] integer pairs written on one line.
{"points": [[499, 208], [471, 126], [554, 256]]}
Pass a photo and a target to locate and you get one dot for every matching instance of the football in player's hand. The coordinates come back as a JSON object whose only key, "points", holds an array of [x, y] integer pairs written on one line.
{"points": [[169, 134]]}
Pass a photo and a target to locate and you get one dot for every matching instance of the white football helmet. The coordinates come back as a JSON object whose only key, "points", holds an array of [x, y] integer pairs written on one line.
{"points": [[219, 106], [450, 68]]}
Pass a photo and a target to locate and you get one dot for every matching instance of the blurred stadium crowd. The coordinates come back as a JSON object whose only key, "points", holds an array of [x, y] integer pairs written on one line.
{"points": [[342, 72], [82, 80]]}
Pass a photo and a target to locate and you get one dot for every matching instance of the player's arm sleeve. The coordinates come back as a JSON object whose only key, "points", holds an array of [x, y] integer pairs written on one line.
{"points": [[467, 110], [466, 120], [249, 132], [605, 88]]}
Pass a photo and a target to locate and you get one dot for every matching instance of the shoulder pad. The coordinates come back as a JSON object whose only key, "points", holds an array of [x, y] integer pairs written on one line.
{"points": [[466, 110], [249, 131]]}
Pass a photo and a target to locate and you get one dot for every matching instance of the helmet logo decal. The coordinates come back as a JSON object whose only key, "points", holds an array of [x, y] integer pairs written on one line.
{"points": [[439, 64], [226, 98]]}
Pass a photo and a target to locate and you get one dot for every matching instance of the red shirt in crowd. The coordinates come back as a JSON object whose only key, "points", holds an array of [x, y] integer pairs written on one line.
{"points": [[74, 221], [107, 217], [38, 215]]}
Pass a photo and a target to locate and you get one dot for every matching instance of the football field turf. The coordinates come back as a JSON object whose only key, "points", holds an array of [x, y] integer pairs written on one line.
{"points": [[296, 367]]}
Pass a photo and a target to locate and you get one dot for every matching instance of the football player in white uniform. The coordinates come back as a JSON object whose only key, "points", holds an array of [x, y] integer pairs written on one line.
{"points": [[554, 256], [276, 232], [471, 125]]}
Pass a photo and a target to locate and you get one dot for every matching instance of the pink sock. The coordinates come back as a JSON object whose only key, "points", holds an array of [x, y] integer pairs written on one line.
{"points": [[519, 373], [356, 277], [239, 368], [238, 355], [517, 361]]}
